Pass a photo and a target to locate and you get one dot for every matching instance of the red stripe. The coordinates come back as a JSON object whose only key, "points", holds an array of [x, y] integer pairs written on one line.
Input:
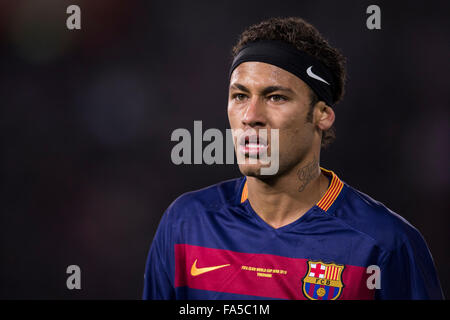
{"points": [[339, 189], [325, 206], [234, 279], [331, 273], [330, 293], [311, 289], [327, 274], [332, 196], [328, 194]]}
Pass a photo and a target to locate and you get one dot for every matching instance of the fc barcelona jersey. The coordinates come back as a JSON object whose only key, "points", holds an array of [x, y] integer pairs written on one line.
{"points": [[211, 244]]}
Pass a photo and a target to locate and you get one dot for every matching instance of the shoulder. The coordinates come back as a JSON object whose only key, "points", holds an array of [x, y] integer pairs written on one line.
{"points": [[366, 215], [213, 197]]}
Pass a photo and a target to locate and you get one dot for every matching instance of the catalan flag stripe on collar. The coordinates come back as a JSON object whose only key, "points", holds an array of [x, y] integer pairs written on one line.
{"points": [[328, 198], [333, 191]]}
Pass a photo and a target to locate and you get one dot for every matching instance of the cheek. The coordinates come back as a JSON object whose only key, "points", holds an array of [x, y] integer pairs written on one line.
{"points": [[295, 139], [233, 115], [289, 139]]}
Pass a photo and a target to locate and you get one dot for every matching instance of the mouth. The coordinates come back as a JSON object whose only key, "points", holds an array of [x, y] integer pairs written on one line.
{"points": [[252, 145]]}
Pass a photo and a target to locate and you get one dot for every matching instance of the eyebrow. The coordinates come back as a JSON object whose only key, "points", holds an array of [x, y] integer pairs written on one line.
{"points": [[264, 91]]}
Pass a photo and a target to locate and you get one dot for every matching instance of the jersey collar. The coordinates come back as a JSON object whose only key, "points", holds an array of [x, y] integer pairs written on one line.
{"points": [[333, 191]]}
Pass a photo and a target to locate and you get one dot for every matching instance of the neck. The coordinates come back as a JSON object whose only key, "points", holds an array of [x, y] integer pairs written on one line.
{"points": [[289, 196]]}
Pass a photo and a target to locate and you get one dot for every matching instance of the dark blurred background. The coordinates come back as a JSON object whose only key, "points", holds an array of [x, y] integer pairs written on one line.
{"points": [[87, 116]]}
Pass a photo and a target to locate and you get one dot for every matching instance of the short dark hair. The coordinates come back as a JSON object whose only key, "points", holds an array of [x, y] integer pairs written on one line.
{"points": [[306, 38]]}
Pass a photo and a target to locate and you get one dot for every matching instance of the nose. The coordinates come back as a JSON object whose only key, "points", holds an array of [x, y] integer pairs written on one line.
{"points": [[254, 115]]}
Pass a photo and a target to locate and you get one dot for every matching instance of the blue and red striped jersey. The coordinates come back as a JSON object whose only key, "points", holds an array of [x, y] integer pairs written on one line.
{"points": [[211, 244]]}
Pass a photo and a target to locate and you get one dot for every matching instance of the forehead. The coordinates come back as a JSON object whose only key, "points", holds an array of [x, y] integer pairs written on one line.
{"points": [[260, 74]]}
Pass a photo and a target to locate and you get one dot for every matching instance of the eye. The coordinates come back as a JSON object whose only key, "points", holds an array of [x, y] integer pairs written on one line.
{"points": [[239, 96], [277, 98]]}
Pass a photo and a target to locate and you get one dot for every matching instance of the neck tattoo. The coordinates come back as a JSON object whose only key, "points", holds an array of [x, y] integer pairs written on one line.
{"points": [[307, 173]]}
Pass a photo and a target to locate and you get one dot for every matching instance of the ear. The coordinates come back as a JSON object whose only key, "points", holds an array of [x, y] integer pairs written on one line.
{"points": [[323, 116]]}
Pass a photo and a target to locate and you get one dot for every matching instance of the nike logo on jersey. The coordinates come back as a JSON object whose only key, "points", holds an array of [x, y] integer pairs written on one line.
{"points": [[315, 76], [198, 271]]}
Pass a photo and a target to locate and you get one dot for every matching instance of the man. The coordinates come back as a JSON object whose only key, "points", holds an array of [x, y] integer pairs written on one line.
{"points": [[301, 233]]}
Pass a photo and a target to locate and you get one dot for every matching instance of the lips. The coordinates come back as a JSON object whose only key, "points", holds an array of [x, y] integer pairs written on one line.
{"points": [[252, 145]]}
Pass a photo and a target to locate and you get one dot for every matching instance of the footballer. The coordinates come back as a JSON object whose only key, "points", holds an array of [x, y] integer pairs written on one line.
{"points": [[301, 233]]}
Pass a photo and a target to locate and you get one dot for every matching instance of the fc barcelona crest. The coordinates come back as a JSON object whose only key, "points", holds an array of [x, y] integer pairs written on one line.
{"points": [[323, 281]]}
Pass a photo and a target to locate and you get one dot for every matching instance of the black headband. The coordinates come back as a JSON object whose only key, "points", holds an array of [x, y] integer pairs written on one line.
{"points": [[287, 57]]}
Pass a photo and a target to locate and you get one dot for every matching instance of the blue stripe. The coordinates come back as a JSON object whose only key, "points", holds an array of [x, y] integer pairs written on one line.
{"points": [[315, 296], [327, 291]]}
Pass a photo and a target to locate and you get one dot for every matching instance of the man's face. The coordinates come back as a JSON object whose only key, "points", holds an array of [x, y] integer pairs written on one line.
{"points": [[263, 96]]}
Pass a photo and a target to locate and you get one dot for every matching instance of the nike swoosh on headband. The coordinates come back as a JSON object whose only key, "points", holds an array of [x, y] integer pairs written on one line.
{"points": [[315, 76]]}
